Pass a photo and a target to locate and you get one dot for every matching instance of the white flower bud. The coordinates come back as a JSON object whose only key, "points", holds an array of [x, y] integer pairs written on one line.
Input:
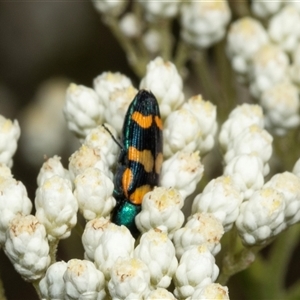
{"points": [[196, 269], [91, 236], [182, 171], [296, 168], [27, 247], [221, 198], [288, 185], [201, 229], [157, 251], [87, 157], [269, 66], [245, 37], [161, 208], [83, 281], [247, 170], [163, 80], [108, 82], [51, 167], [211, 291], [117, 106], [152, 41], [190, 128], [83, 109], [264, 9], [181, 132], [116, 241], [100, 140], [160, 293], [240, 118], [281, 106], [130, 26], [110, 8], [5, 172], [282, 29], [252, 112], [56, 207], [130, 279], [206, 114], [204, 22], [13, 201], [252, 140], [93, 191], [160, 9], [261, 217], [9, 135], [52, 286]]}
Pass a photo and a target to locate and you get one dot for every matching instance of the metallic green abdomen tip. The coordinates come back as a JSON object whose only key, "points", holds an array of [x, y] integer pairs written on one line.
{"points": [[125, 213]]}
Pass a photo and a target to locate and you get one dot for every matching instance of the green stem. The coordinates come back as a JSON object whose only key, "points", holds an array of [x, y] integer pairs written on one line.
{"points": [[143, 54], [137, 10], [53, 249], [36, 287], [135, 59], [234, 262], [79, 229], [280, 256], [181, 56], [287, 144], [239, 8], [166, 38], [227, 82], [201, 68]]}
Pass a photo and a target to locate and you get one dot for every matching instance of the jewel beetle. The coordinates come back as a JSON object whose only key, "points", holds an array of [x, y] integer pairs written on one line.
{"points": [[140, 159]]}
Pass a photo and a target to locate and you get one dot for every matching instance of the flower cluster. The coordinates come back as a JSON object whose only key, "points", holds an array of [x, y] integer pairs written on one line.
{"points": [[261, 57], [167, 251]]}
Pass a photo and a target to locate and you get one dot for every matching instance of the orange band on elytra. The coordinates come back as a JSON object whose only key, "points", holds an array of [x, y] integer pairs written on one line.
{"points": [[144, 157], [141, 120], [126, 181], [137, 196]]}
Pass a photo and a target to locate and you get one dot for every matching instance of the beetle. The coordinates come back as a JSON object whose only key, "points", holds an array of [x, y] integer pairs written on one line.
{"points": [[140, 159]]}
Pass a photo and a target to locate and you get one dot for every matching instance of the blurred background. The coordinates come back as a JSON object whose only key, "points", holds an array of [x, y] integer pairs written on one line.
{"points": [[43, 47]]}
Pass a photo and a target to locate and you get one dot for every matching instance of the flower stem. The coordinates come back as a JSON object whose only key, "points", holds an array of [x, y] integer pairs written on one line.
{"points": [[135, 59], [53, 249], [201, 67], [36, 287], [235, 262], [181, 56], [278, 263], [239, 8], [287, 144], [166, 37], [227, 81]]}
